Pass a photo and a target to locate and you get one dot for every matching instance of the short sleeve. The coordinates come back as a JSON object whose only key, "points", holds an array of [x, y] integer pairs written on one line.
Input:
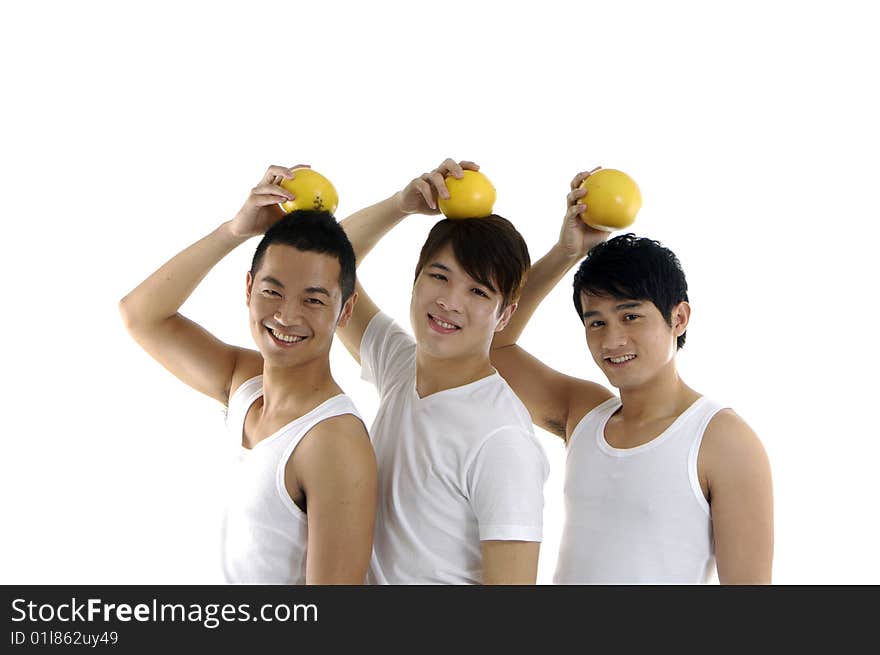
{"points": [[387, 351], [506, 485]]}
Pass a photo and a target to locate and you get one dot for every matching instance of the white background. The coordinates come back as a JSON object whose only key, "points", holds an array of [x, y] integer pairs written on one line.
{"points": [[128, 133]]}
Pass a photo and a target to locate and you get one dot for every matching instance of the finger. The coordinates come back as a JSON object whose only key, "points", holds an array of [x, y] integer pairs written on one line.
{"points": [[436, 180], [268, 199], [446, 165], [574, 196], [272, 190], [574, 212], [274, 172], [469, 166], [424, 190], [291, 173], [452, 168], [580, 177]]}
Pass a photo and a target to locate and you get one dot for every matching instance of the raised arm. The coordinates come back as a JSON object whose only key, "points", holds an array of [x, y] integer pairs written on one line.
{"points": [[366, 227], [150, 311], [549, 395]]}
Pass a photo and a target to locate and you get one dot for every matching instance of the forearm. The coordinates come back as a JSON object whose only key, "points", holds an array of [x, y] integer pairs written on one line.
{"points": [[544, 275], [366, 227], [161, 295]]}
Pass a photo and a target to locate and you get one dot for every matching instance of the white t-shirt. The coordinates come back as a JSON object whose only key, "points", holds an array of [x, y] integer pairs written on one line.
{"points": [[455, 468]]}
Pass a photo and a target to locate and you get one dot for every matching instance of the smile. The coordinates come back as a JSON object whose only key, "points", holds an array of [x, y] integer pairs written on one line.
{"points": [[619, 361], [285, 338], [445, 327]]}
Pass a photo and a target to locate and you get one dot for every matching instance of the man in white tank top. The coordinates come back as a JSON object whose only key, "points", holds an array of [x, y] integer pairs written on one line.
{"points": [[302, 501], [461, 474], [662, 485]]}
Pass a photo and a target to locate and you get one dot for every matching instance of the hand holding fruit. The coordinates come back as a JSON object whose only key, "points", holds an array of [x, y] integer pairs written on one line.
{"points": [[613, 200], [427, 193], [576, 237], [311, 190], [470, 196], [262, 208]]}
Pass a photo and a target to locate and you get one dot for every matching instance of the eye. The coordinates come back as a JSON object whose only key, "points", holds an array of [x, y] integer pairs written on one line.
{"points": [[437, 276], [480, 292], [630, 317], [314, 301], [271, 292], [596, 324]]}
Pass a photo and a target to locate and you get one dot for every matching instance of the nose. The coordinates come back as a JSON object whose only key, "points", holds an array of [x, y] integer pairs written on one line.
{"points": [[613, 338], [450, 301], [287, 313]]}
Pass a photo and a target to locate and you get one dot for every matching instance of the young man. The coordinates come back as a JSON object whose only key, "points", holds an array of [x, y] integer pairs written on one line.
{"points": [[302, 504], [461, 473], [664, 484]]}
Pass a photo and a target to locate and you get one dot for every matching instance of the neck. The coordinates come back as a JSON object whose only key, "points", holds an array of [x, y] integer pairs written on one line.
{"points": [[296, 390], [664, 395], [433, 374]]}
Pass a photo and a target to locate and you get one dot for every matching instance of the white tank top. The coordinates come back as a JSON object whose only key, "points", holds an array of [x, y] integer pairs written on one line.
{"points": [[264, 532], [636, 515]]}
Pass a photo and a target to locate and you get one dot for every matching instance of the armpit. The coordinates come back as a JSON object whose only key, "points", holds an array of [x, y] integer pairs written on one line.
{"points": [[555, 426]]}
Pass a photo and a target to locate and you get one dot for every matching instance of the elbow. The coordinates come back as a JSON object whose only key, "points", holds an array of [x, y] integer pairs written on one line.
{"points": [[129, 314], [125, 311]]}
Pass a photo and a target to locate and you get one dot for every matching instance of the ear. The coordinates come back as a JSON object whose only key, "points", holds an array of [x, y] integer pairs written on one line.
{"points": [[681, 315], [248, 287], [505, 317], [347, 310]]}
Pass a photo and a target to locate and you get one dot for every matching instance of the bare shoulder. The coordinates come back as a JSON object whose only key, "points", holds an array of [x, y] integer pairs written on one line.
{"points": [[727, 429], [730, 444], [339, 442]]}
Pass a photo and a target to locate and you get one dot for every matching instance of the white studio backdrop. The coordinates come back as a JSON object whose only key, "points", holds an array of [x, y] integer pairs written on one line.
{"points": [[130, 131]]}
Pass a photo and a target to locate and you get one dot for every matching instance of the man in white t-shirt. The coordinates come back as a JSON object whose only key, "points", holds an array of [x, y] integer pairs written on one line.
{"points": [[461, 473], [662, 485], [302, 499]]}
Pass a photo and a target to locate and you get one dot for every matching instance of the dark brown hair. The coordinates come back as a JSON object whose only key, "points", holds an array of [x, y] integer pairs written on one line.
{"points": [[489, 249]]}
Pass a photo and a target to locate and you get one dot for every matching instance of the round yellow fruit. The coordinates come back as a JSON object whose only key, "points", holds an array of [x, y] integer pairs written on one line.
{"points": [[472, 196], [312, 191], [613, 199]]}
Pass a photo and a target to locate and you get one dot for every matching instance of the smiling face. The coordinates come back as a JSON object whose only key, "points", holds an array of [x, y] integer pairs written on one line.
{"points": [[294, 304], [629, 339], [453, 315]]}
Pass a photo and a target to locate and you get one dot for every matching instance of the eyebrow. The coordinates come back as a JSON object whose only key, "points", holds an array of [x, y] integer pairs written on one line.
{"points": [[277, 283], [443, 267], [621, 306]]}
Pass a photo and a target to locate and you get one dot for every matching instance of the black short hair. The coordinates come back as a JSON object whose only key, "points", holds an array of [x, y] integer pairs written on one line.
{"points": [[489, 249], [634, 267], [312, 231]]}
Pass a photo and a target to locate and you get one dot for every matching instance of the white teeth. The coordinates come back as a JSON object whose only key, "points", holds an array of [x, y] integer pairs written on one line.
{"points": [[285, 337], [621, 360], [444, 324]]}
